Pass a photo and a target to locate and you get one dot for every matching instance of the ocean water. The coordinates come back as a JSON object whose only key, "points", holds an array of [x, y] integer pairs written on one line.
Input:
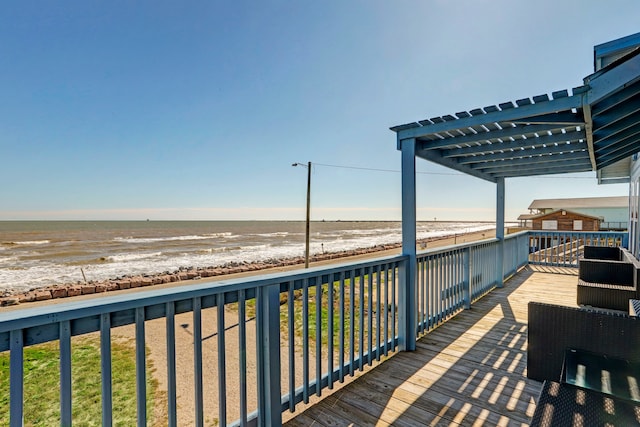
{"points": [[35, 254]]}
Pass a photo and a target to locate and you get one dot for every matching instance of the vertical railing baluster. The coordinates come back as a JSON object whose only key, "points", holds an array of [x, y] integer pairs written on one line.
{"points": [[352, 319], [242, 350], [141, 370], [438, 288], [330, 331], [319, 333], [448, 260], [105, 369], [455, 284], [361, 318], [342, 332], [370, 315], [386, 308], [420, 295], [441, 299], [222, 371], [394, 307], [197, 361], [172, 415], [434, 291], [426, 292], [16, 378], [378, 310], [292, 346], [305, 340], [459, 281], [450, 291], [65, 373], [472, 272]]}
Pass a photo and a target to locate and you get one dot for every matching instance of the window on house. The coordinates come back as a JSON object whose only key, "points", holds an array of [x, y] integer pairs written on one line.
{"points": [[577, 225], [550, 224]]}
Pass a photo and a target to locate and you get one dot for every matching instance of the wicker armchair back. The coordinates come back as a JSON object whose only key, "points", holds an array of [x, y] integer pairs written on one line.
{"points": [[553, 329]]}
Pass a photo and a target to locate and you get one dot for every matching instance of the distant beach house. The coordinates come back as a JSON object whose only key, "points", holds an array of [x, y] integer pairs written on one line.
{"points": [[564, 220], [610, 213]]}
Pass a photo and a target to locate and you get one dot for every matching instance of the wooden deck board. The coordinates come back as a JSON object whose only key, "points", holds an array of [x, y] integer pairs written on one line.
{"points": [[469, 371]]}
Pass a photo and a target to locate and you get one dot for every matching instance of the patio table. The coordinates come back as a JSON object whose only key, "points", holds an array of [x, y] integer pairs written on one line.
{"points": [[563, 404], [616, 377]]}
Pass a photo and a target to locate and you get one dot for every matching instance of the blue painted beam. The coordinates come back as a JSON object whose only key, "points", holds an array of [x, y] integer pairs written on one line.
{"points": [[562, 118], [543, 171], [529, 142], [612, 101], [436, 157], [536, 161], [499, 159], [544, 166], [608, 81]]}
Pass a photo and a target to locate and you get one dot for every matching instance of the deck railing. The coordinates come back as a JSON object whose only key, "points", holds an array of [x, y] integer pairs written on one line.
{"points": [[332, 340], [564, 248], [302, 331]]}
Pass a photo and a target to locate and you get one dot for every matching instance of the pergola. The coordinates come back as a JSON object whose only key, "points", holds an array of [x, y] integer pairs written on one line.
{"points": [[593, 127]]}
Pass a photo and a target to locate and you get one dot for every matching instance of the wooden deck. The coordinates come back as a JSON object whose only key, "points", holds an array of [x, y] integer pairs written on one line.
{"points": [[469, 371]]}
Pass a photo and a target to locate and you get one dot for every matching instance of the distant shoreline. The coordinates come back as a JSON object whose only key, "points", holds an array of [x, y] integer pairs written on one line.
{"points": [[314, 221], [232, 269]]}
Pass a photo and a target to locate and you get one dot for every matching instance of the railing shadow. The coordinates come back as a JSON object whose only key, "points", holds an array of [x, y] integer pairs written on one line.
{"points": [[470, 370]]}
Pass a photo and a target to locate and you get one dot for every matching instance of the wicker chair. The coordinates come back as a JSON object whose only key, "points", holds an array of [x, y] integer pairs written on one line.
{"points": [[611, 253], [607, 282], [553, 329]]}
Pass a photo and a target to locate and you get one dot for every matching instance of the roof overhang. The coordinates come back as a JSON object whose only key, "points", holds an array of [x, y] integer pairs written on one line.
{"points": [[593, 127]]}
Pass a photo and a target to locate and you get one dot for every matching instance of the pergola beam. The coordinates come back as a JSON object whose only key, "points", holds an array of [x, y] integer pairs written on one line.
{"points": [[503, 115]]}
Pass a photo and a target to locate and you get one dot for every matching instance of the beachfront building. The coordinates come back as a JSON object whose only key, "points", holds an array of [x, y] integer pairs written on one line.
{"points": [[565, 220], [612, 211], [261, 348]]}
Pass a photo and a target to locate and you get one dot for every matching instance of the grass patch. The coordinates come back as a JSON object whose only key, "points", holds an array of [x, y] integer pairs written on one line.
{"points": [[42, 384]]}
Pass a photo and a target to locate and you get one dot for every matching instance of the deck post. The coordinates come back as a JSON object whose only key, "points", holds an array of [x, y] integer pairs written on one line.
{"points": [[268, 337], [500, 231], [407, 310], [466, 277]]}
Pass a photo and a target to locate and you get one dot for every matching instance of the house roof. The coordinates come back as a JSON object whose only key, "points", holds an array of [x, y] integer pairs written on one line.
{"points": [[524, 217], [566, 210], [588, 128], [584, 202]]}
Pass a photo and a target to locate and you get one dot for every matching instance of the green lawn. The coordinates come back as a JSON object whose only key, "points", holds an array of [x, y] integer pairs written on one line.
{"points": [[42, 384]]}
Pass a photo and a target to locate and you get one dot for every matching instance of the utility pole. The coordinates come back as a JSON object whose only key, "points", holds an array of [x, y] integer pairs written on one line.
{"points": [[306, 250]]}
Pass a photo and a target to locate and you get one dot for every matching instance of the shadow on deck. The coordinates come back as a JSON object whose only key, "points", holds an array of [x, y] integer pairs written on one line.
{"points": [[469, 371]]}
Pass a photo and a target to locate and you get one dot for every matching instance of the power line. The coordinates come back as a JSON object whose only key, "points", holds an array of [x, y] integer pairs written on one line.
{"points": [[382, 170], [439, 173]]}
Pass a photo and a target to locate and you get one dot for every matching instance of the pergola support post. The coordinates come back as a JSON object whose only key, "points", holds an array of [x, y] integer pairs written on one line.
{"points": [[500, 232], [407, 328]]}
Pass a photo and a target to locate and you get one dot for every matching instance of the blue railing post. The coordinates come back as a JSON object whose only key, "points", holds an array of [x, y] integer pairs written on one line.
{"points": [[466, 277], [268, 336], [16, 378], [500, 232], [408, 304]]}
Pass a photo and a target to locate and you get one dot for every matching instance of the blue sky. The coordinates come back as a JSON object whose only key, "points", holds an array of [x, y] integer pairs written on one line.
{"points": [[197, 109]]}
